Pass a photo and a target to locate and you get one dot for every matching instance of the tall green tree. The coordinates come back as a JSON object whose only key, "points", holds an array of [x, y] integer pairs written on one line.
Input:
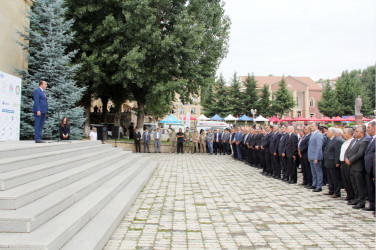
{"points": [[221, 104], [208, 100], [328, 104], [175, 45], [236, 98], [250, 97], [367, 90], [346, 92], [284, 100], [264, 106], [48, 59]]}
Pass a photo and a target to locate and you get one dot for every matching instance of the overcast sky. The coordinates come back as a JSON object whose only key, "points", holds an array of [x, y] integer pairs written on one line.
{"points": [[315, 38]]}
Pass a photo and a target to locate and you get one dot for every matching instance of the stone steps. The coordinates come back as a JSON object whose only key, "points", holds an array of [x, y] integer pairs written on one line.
{"points": [[65, 206]]}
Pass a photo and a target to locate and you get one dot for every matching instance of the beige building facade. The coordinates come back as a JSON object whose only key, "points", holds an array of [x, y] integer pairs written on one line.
{"points": [[13, 19]]}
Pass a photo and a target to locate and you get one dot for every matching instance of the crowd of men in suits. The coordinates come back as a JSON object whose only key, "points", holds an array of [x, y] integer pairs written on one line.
{"points": [[339, 158]]}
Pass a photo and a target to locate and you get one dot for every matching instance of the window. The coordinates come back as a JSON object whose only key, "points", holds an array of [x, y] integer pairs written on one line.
{"points": [[193, 111], [299, 114], [311, 102], [311, 115], [182, 111]]}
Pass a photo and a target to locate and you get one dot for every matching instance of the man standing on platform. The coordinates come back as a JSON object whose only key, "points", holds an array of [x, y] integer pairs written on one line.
{"points": [[282, 152], [274, 143], [40, 109], [291, 154], [137, 137], [173, 139]]}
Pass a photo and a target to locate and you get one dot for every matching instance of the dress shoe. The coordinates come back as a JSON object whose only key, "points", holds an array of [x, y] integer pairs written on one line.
{"points": [[353, 202], [359, 206], [302, 184], [328, 193], [311, 187], [335, 196], [369, 209], [317, 190]]}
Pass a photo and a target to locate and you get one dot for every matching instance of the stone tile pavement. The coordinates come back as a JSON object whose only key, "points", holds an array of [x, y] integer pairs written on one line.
{"points": [[210, 202]]}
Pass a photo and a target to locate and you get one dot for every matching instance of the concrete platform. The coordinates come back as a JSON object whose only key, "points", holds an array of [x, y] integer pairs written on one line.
{"points": [[51, 192]]}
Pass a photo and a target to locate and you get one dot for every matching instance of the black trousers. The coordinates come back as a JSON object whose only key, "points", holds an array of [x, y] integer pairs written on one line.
{"points": [[359, 185], [370, 189], [216, 147], [334, 181], [268, 163], [277, 165], [235, 151], [324, 173], [346, 180], [306, 170], [283, 162], [180, 147], [225, 147], [291, 171], [262, 160], [138, 146], [254, 157]]}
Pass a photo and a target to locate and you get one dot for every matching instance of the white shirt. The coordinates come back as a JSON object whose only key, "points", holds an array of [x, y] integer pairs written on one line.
{"points": [[93, 136], [344, 147]]}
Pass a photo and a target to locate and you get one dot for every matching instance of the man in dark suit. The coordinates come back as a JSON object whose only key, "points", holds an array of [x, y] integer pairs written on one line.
{"points": [[331, 160], [291, 154], [274, 143], [369, 160], [265, 149], [259, 158], [282, 152], [217, 141], [354, 157], [137, 138], [303, 151], [238, 141], [40, 109]]}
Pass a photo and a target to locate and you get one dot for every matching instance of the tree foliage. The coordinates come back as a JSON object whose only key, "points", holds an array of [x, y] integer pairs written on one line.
{"points": [[48, 37], [150, 47], [264, 107], [328, 104], [250, 98], [236, 98], [284, 100]]}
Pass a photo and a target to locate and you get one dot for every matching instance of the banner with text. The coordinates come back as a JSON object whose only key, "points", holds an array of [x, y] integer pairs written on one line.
{"points": [[10, 107]]}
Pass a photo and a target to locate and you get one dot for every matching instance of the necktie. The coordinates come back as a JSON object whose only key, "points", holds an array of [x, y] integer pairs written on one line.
{"points": [[44, 94]]}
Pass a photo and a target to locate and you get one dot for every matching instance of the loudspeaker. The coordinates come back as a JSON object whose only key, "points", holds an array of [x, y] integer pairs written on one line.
{"points": [[115, 132]]}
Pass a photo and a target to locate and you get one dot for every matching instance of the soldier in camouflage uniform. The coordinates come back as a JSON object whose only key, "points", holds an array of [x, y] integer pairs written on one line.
{"points": [[195, 139], [173, 139], [202, 141], [187, 140]]}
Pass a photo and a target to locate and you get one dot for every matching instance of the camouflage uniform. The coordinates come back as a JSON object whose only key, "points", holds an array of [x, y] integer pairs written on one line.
{"points": [[195, 138], [187, 141], [203, 143], [173, 139]]}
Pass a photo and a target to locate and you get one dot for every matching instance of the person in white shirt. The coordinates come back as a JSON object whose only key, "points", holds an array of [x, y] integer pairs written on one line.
{"points": [[93, 135], [345, 170]]}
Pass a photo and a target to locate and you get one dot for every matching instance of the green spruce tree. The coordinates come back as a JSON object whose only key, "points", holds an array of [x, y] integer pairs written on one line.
{"points": [[284, 100], [250, 97], [221, 105], [264, 104], [328, 105], [48, 37], [236, 98], [346, 92]]}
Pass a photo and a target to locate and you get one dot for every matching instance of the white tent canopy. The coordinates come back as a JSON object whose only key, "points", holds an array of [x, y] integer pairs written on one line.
{"points": [[230, 118], [261, 119], [202, 117]]}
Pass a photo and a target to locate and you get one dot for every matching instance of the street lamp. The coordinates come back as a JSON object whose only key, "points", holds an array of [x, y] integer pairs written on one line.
{"points": [[253, 112]]}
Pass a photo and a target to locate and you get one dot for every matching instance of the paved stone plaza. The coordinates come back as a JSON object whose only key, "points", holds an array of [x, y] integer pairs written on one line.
{"points": [[202, 201]]}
